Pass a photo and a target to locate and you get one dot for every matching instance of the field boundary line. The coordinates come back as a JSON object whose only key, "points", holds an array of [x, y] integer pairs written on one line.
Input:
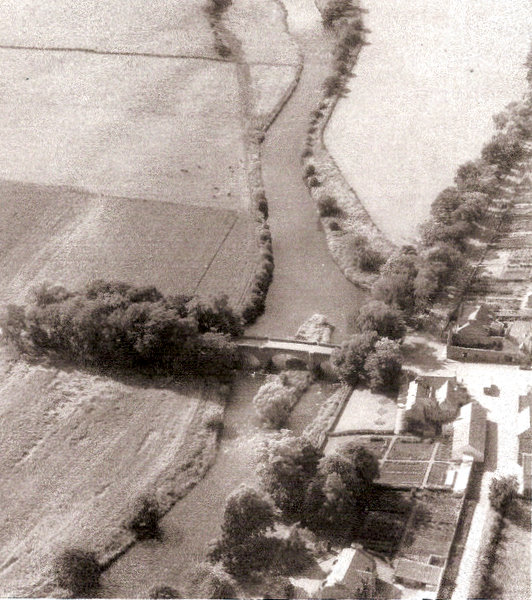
{"points": [[84, 50], [215, 254]]}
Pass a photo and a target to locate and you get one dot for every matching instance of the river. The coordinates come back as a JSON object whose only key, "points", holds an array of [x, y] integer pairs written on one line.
{"points": [[306, 280], [421, 103]]}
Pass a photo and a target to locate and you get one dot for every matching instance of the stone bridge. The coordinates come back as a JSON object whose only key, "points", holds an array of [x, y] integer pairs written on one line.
{"points": [[264, 349]]}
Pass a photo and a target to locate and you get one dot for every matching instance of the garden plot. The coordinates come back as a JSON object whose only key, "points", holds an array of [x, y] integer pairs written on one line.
{"points": [[375, 444], [410, 449], [402, 473], [78, 450], [64, 236]]}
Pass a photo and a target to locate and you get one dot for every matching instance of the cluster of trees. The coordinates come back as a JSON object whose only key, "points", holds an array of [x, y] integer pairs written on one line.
{"points": [[337, 10], [373, 354], [275, 399], [111, 324], [324, 493]]}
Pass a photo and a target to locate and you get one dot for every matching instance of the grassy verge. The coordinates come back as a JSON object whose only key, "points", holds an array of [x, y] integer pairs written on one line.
{"points": [[355, 243]]}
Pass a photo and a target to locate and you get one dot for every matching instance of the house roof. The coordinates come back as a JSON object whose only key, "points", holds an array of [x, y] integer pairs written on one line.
{"points": [[349, 559], [469, 429], [417, 571]]}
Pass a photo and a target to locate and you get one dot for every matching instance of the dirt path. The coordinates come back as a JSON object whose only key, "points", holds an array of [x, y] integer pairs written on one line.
{"points": [[306, 280]]}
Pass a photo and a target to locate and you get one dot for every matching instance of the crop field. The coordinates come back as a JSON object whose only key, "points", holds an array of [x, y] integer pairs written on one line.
{"points": [[61, 235], [402, 473], [406, 449], [433, 526], [438, 473], [78, 450]]}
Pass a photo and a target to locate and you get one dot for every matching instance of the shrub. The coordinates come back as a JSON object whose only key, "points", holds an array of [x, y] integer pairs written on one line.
{"points": [[328, 207], [310, 170], [144, 522], [334, 226], [314, 182], [275, 399], [369, 259], [335, 10], [222, 49], [164, 591], [333, 85], [77, 571], [503, 491]]}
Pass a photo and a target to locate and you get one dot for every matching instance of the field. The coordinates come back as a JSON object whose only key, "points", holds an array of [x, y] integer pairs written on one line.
{"points": [[375, 444], [403, 473], [105, 105], [63, 235], [77, 452]]}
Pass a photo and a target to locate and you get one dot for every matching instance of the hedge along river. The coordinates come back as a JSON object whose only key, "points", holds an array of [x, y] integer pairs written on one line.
{"points": [[422, 100]]}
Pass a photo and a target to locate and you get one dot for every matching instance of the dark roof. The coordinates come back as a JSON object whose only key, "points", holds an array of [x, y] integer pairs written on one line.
{"points": [[417, 571]]}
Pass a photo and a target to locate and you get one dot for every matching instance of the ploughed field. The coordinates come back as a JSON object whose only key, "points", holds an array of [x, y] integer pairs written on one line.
{"points": [[125, 142], [75, 451]]}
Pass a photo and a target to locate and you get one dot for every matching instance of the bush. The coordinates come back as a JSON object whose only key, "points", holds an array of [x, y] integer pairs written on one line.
{"points": [[334, 85], [164, 591], [334, 226], [145, 520], [77, 571], [275, 399], [310, 170], [314, 182], [222, 49], [503, 491], [307, 152], [328, 207], [369, 259]]}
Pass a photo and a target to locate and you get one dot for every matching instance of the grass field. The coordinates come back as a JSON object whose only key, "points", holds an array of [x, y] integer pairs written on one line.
{"points": [[511, 573], [366, 410], [63, 235], [114, 25], [78, 450]]}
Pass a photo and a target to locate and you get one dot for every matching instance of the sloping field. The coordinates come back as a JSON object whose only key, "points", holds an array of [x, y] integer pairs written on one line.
{"points": [[65, 236], [77, 450]]}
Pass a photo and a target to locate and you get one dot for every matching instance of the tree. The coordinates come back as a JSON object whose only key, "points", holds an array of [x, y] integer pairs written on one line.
{"points": [[347, 476], [77, 571], [273, 403], [215, 315], [504, 151], [503, 490], [247, 513], [287, 465], [348, 360], [382, 318], [383, 366], [445, 204], [397, 290], [335, 10]]}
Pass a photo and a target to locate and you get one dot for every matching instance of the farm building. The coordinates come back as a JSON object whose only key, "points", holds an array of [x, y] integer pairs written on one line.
{"points": [[352, 576], [414, 574], [478, 328], [469, 432], [429, 400]]}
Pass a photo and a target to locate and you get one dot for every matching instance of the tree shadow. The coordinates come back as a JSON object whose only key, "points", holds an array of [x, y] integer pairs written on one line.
{"points": [[519, 513], [492, 442], [422, 355]]}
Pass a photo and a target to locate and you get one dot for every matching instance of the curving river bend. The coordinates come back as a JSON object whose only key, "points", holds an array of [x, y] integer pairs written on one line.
{"points": [[421, 103]]}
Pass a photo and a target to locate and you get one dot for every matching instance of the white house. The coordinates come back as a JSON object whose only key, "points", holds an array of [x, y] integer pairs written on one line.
{"points": [[353, 575], [469, 432]]}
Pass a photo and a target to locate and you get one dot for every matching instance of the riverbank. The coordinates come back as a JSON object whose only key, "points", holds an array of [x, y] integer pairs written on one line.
{"points": [[422, 100]]}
